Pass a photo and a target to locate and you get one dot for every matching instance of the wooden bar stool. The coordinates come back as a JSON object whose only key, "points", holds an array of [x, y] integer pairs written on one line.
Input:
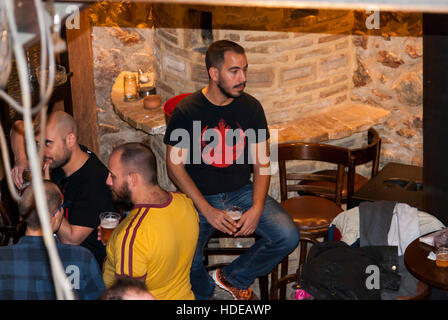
{"points": [[312, 214]]}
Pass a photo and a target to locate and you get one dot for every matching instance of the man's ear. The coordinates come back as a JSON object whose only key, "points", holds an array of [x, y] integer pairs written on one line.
{"points": [[70, 139], [214, 73], [133, 179]]}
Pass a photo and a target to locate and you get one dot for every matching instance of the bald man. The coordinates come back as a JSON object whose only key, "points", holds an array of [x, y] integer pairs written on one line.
{"points": [[80, 175]]}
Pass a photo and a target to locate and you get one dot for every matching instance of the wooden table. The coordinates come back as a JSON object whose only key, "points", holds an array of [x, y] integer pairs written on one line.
{"points": [[424, 269], [395, 182]]}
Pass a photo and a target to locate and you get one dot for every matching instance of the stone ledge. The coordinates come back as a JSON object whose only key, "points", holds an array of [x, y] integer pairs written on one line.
{"points": [[149, 121], [332, 123]]}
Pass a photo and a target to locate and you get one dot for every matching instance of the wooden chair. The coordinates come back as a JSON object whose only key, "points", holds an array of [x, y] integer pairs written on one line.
{"points": [[352, 180], [312, 214], [234, 251]]}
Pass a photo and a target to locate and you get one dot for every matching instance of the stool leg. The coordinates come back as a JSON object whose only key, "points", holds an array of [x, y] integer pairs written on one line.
{"points": [[264, 287], [274, 282], [303, 248], [284, 272]]}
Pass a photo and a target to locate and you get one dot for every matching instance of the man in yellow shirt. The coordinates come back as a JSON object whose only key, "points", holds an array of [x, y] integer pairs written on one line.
{"points": [[157, 240]]}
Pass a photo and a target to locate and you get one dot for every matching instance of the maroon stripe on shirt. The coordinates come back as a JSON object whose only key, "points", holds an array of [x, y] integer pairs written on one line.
{"points": [[131, 243], [124, 241]]}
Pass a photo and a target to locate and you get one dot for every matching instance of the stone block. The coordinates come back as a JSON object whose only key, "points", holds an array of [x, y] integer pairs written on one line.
{"points": [[174, 64], [257, 49], [198, 73], [165, 87], [267, 59], [299, 72], [361, 76], [333, 91], [340, 99], [294, 45], [262, 78], [293, 103], [232, 37], [331, 37], [360, 41], [167, 34], [313, 86], [341, 45], [314, 53], [389, 59], [333, 64], [267, 36], [409, 89]]}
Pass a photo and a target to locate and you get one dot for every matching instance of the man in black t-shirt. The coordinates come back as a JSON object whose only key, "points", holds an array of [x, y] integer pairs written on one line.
{"points": [[215, 139], [80, 175]]}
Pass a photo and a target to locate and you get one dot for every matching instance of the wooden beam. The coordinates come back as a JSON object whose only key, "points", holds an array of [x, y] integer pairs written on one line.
{"points": [[79, 45], [435, 6]]}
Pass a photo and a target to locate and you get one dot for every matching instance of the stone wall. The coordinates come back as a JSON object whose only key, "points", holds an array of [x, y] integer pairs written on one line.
{"points": [[389, 74], [300, 61]]}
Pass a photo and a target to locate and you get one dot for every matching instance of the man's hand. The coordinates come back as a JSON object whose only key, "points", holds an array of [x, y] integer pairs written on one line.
{"points": [[99, 235], [248, 222], [17, 172], [220, 220], [46, 171]]}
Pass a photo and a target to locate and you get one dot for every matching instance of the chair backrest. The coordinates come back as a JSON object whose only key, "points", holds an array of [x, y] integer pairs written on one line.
{"points": [[317, 152], [369, 153]]}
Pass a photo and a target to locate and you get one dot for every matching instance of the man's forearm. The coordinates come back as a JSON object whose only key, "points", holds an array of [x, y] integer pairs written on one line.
{"points": [[17, 135], [183, 181], [260, 188], [262, 174], [70, 234]]}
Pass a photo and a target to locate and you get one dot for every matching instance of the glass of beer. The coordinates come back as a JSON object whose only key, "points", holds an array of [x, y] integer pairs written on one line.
{"points": [[441, 247], [109, 221], [235, 212]]}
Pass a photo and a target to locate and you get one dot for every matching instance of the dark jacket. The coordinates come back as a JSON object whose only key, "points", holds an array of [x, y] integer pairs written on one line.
{"points": [[335, 270]]}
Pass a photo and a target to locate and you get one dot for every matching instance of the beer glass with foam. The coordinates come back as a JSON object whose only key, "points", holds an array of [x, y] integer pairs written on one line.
{"points": [[441, 248], [235, 212], [109, 221]]}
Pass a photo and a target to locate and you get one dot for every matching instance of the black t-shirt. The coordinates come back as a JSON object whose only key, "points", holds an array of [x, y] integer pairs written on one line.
{"points": [[217, 139], [88, 196]]}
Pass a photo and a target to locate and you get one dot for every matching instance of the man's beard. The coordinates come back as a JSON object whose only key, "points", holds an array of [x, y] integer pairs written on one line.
{"points": [[61, 162], [227, 93], [121, 198]]}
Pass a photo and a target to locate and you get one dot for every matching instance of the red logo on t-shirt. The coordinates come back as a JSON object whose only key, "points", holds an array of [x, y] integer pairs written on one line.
{"points": [[218, 144]]}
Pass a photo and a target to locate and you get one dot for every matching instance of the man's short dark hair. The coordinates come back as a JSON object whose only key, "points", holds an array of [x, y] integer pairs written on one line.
{"points": [[28, 208], [121, 287], [137, 157], [215, 52]]}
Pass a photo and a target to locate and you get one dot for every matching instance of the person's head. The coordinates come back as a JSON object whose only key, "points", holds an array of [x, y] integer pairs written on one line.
{"points": [[226, 65], [131, 166], [60, 139], [28, 209], [126, 288]]}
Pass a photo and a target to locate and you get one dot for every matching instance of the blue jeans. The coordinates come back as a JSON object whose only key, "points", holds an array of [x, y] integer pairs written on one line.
{"points": [[279, 237]]}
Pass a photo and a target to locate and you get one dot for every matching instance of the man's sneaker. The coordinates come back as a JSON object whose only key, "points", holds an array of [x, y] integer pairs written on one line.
{"points": [[238, 294]]}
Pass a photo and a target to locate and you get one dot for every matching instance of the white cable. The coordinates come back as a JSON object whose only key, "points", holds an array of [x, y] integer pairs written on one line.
{"points": [[46, 42], [61, 285], [45, 94]]}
